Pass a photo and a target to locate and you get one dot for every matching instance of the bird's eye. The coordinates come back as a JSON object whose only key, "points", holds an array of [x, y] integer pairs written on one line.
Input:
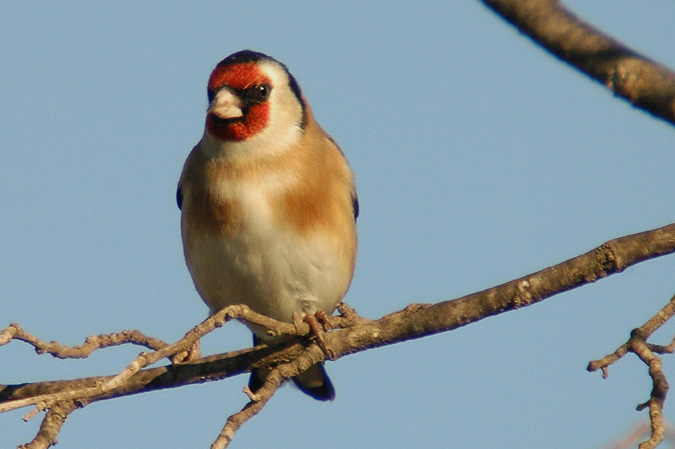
{"points": [[257, 94]]}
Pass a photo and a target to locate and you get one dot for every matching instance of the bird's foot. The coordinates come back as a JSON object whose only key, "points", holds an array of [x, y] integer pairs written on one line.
{"points": [[318, 323]]}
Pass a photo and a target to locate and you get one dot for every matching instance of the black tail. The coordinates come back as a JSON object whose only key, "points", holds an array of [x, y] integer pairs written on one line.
{"points": [[313, 382]]}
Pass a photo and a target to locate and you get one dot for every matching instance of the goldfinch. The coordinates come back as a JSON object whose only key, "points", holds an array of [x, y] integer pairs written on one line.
{"points": [[268, 204]]}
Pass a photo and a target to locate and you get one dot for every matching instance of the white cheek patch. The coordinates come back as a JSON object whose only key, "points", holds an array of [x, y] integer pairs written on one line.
{"points": [[282, 131], [285, 115]]}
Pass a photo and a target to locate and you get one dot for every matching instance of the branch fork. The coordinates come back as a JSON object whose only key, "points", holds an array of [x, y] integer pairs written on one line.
{"points": [[646, 352], [59, 405]]}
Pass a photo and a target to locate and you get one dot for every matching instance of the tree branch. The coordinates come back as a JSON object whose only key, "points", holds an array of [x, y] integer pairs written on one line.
{"points": [[356, 334], [637, 344], [51, 425], [91, 344], [646, 84]]}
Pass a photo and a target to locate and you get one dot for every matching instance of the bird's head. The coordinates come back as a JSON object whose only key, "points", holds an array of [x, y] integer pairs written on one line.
{"points": [[254, 98]]}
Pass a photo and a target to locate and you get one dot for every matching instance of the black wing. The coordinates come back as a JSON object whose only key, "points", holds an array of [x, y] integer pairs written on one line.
{"points": [[179, 197], [355, 205]]}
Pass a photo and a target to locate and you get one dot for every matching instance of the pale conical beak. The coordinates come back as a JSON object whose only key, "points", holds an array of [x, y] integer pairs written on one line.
{"points": [[226, 105]]}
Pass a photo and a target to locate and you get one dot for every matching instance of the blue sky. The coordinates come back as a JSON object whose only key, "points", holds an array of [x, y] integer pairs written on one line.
{"points": [[479, 158]]}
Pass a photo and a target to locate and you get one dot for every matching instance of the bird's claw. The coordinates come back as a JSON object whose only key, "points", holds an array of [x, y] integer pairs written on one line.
{"points": [[318, 323]]}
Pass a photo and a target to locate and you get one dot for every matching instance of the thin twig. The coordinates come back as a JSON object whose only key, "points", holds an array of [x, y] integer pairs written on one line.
{"points": [[91, 343], [273, 381], [658, 394], [255, 405], [240, 312], [637, 344], [51, 425]]}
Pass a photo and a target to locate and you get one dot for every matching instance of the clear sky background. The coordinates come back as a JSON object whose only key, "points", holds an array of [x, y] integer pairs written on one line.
{"points": [[479, 158]]}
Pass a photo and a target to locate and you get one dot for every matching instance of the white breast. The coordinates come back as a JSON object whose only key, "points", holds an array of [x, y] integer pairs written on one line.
{"points": [[272, 269]]}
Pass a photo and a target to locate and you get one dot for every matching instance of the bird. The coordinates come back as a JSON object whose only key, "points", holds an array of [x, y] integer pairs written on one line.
{"points": [[268, 205]]}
